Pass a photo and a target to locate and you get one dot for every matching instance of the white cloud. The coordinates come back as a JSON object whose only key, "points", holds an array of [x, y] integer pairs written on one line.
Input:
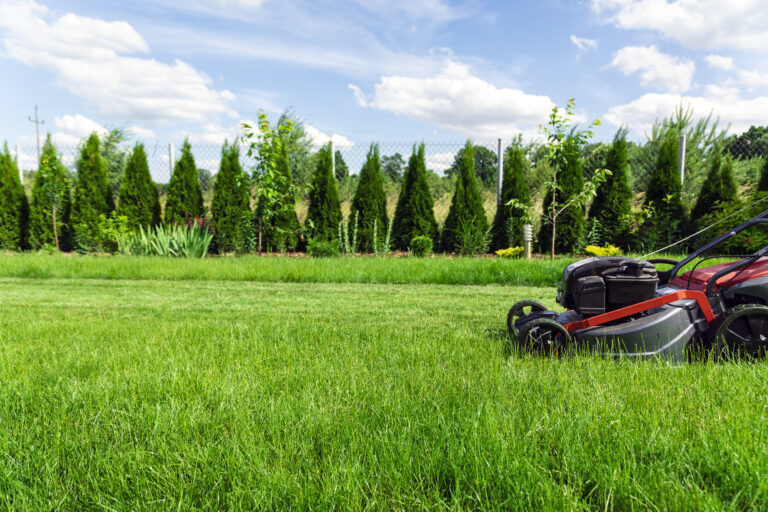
{"points": [[708, 24], [724, 103], [583, 44], [656, 69], [78, 125], [439, 162], [319, 139], [92, 58], [456, 100], [719, 62], [212, 134], [142, 133]]}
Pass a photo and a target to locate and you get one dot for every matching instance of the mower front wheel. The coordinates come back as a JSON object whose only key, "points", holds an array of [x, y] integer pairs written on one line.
{"points": [[742, 332], [522, 308], [545, 336]]}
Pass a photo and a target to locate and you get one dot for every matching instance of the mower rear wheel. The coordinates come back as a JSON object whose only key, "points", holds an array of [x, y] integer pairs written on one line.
{"points": [[545, 336], [743, 331], [522, 308]]}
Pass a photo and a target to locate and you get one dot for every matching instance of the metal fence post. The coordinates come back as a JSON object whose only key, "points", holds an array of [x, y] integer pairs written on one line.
{"points": [[498, 185], [18, 162], [171, 156], [681, 159]]}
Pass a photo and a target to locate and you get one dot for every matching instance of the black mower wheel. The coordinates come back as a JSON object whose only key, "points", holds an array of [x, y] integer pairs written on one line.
{"points": [[743, 332], [522, 308], [545, 336]]}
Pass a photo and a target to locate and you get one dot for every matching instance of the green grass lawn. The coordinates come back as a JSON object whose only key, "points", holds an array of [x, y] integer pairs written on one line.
{"points": [[120, 394]]}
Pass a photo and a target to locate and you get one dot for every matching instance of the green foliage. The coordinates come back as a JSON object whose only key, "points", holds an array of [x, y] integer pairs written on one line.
{"points": [[370, 203], [421, 246], [14, 206], [205, 178], [340, 167], [608, 250], [719, 187], [115, 157], [512, 212], [510, 252], [185, 195], [298, 145], [92, 196], [324, 212], [414, 213], [231, 202], [466, 214], [471, 239], [612, 203], [664, 195], [174, 240], [50, 190], [323, 248], [750, 144], [139, 200], [763, 183], [392, 167], [485, 164]]}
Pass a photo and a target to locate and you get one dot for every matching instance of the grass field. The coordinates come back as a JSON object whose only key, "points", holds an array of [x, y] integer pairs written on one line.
{"points": [[120, 394]]}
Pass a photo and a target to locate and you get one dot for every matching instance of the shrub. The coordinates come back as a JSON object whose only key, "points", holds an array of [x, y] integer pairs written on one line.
{"points": [[664, 195], [466, 223], [323, 248], [276, 210], [421, 246], [414, 213], [51, 197], [370, 203], [324, 212], [230, 208], [92, 197], [185, 196], [510, 252], [139, 201], [182, 241], [612, 203], [508, 223], [608, 250], [718, 187], [14, 208]]}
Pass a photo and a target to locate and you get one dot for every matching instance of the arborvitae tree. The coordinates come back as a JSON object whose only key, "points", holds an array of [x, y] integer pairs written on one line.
{"points": [[92, 196], [507, 230], [14, 208], [231, 205], [324, 212], [664, 194], [50, 191], [369, 205], [763, 183], [612, 203], [139, 201], [466, 211], [280, 231], [185, 197], [571, 224], [414, 214], [342, 170], [719, 187]]}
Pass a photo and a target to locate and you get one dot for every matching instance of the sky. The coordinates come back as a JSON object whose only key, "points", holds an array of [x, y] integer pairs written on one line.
{"points": [[357, 71]]}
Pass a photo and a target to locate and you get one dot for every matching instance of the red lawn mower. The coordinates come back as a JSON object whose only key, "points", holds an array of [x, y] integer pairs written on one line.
{"points": [[625, 307]]}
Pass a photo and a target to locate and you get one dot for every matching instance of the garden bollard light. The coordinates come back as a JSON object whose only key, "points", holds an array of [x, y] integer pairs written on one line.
{"points": [[527, 240]]}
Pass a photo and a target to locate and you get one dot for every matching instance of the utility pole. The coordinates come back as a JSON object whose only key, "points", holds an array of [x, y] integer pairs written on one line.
{"points": [[37, 122]]}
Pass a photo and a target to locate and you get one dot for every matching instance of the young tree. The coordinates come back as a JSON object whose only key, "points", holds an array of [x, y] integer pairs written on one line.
{"points": [[392, 167], [324, 212], [414, 214], [139, 200], [115, 157], [298, 145], [185, 197], [719, 187], [466, 214], [486, 164], [49, 217], [664, 194], [230, 208], [92, 196], [342, 169], [369, 205], [507, 230], [612, 203], [14, 208]]}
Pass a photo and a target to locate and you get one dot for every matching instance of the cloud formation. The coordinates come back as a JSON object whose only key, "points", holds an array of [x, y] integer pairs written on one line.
{"points": [[656, 69]]}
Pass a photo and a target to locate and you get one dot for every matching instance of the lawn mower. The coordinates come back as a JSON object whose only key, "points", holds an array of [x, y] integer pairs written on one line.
{"points": [[626, 307]]}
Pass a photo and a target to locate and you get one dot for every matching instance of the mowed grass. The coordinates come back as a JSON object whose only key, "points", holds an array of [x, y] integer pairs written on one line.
{"points": [[140, 395]]}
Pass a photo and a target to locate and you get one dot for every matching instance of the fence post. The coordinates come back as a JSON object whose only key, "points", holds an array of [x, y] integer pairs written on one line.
{"points": [[18, 162], [681, 159], [171, 163], [500, 171]]}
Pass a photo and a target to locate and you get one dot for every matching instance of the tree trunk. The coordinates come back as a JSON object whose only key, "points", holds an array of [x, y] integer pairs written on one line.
{"points": [[55, 228], [260, 227], [554, 211]]}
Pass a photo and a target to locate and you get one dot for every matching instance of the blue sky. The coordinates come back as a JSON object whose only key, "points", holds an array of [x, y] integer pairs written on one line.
{"points": [[375, 70]]}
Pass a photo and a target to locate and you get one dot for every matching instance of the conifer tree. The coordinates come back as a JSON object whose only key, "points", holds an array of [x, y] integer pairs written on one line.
{"points": [[14, 207], [414, 213], [718, 187], [466, 212], [571, 224], [762, 185], [185, 197], [369, 205], [613, 197], [507, 230], [280, 230], [664, 194], [230, 208], [92, 196], [139, 200], [324, 212], [342, 169], [51, 199]]}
